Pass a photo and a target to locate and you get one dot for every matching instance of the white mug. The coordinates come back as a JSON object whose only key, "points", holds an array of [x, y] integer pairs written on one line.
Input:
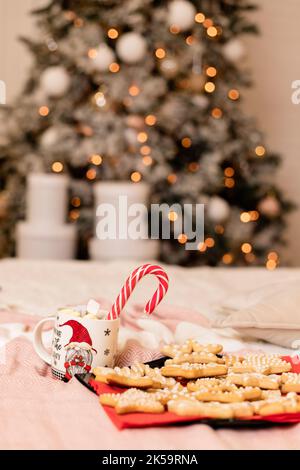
{"points": [[78, 343]]}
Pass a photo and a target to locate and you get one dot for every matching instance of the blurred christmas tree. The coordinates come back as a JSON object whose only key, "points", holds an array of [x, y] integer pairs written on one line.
{"points": [[149, 90]]}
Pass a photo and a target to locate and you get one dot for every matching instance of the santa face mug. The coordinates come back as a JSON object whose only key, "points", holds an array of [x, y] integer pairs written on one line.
{"points": [[80, 342]]}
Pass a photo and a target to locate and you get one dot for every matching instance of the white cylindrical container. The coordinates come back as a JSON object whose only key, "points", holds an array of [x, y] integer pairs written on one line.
{"points": [[38, 242], [110, 192], [122, 199], [47, 199], [140, 250]]}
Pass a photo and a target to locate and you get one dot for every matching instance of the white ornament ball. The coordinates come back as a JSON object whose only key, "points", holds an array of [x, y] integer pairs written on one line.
{"points": [[169, 67], [131, 47], [269, 207], [218, 209], [181, 14], [234, 50], [49, 137], [55, 81], [105, 56]]}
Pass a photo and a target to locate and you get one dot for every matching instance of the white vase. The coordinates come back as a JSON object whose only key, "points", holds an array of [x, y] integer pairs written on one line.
{"points": [[120, 196]]}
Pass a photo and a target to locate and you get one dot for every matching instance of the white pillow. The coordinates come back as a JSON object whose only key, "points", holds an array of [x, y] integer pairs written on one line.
{"points": [[272, 314]]}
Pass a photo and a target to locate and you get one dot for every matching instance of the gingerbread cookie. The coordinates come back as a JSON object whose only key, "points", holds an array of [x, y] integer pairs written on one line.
{"points": [[270, 394], [238, 395], [261, 363], [290, 382], [166, 395], [194, 371], [288, 404], [202, 357], [133, 376], [268, 382], [101, 373], [132, 401], [212, 348], [109, 399], [159, 381], [205, 410], [173, 350]]}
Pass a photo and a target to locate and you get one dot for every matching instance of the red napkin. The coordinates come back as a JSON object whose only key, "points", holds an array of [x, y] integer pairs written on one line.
{"points": [[144, 420]]}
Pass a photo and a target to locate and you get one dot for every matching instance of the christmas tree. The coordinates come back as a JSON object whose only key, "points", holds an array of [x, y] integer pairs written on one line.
{"points": [[148, 90]]}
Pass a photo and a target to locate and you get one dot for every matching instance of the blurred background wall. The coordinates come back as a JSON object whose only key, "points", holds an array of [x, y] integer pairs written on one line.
{"points": [[274, 61]]}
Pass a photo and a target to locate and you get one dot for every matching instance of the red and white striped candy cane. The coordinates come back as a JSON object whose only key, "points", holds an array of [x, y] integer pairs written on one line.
{"points": [[132, 281]]}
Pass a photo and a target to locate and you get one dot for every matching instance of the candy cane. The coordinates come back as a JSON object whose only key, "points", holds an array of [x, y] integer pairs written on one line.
{"points": [[130, 284]]}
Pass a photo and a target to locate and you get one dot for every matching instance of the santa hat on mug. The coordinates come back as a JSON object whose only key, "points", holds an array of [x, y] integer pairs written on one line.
{"points": [[80, 336]]}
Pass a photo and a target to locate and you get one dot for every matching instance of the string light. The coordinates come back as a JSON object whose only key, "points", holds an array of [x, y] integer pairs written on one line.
{"points": [[147, 160], [202, 247], [75, 201], [182, 238], [186, 142], [245, 217], [229, 172], [160, 53], [209, 87], [92, 53], [210, 242], [134, 90], [100, 99], [114, 67], [172, 178], [207, 23], [233, 94], [174, 29], [193, 167], [145, 149], [211, 71], [260, 151], [135, 177], [172, 216], [44, 111], [91, 174], [199, 17], [57, 167], [217, 113], [271, 265], [190, 40], [273, 256], [219, 229], [229, 183], [246, 248], [112, 33], [150, 120], [254, 215], [74, 214], [96, 159], [212, 31], [142, 137], [227, 258]]}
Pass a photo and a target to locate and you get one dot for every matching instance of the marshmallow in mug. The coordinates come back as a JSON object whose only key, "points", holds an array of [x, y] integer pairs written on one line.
{"points": [[90, 311]]}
